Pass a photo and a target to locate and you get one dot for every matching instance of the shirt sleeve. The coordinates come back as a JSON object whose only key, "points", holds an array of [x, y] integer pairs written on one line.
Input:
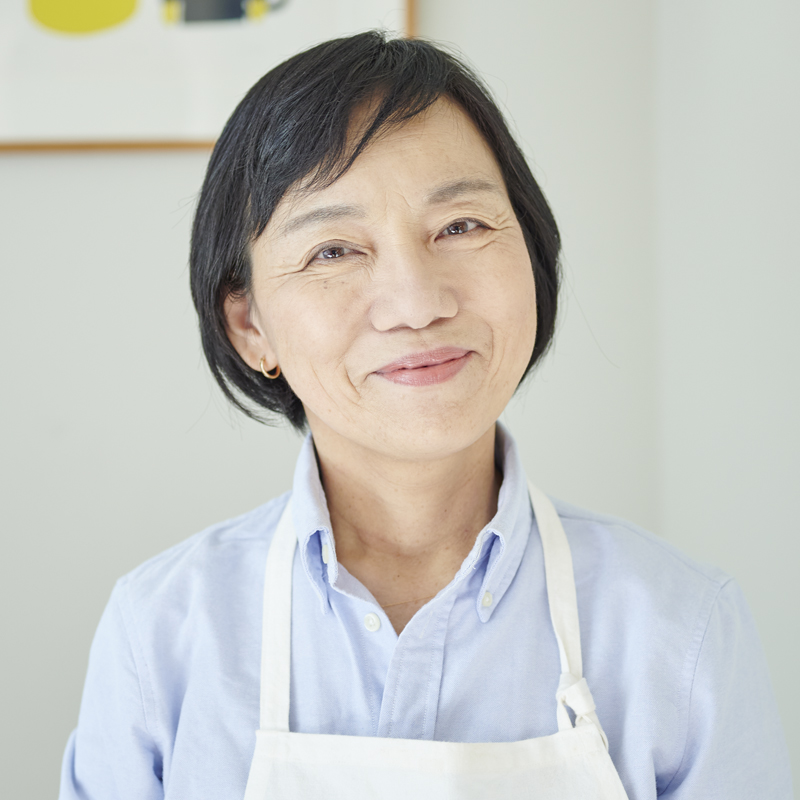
{"points": [[112, 755], [735, 748]]}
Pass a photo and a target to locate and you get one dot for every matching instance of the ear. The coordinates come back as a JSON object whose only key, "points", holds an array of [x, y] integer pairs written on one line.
{"points": [[247, 334]]}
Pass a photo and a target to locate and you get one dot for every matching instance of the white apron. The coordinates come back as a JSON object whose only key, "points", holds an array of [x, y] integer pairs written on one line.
{"points": [[573, 763]]}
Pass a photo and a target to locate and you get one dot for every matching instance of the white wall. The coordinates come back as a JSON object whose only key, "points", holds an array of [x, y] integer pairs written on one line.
{"points": [[728, 209], [115, 444]]}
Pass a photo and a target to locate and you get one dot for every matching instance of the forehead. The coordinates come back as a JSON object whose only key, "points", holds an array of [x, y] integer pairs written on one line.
{"points": [[434, 149]]}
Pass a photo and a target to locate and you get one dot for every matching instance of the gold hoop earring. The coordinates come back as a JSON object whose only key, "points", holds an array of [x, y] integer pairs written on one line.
{"points": [[264, 371]]}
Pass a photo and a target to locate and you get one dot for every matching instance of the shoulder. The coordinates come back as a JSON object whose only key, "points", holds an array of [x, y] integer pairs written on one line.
{"points": [[212, 559], [642, 599], [183, 623], [630, 552], [648, 615]]}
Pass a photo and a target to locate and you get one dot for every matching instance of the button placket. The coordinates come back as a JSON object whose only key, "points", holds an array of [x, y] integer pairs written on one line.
{"points": [[410, 701]]}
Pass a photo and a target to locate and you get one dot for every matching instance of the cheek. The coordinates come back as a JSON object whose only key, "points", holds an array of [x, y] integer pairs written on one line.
{"points": [[527, 305], [510, 285], [312, 328], [521, 326]]}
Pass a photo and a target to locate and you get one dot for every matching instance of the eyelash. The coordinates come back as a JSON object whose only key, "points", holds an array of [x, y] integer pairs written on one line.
{"points": [[465, 221]]}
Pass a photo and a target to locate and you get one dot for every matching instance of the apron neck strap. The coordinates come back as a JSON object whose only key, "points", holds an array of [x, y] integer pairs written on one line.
{"points": [[560, 581], [276, 627], [573, 691]]}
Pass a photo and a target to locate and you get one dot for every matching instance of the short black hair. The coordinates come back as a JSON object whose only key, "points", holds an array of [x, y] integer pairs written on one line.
{"points": [[294, 124]]}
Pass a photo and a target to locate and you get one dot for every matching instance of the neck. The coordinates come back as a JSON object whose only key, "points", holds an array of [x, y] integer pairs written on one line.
{"points": [[403, 528]]}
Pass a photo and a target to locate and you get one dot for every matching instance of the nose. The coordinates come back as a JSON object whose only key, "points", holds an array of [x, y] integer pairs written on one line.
{"points": [[412, 289]]}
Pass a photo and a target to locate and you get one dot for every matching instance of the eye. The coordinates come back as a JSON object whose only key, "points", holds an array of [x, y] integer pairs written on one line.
{"points": [[461, 226], [331, 252]]}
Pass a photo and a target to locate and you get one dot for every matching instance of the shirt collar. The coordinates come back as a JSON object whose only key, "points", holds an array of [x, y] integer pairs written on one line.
{"points": [[500, 544], [312, 522]]}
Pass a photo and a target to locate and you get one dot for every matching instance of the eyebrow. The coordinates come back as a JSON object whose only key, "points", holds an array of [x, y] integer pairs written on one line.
{"points": [[323, 214], [457, 189]]}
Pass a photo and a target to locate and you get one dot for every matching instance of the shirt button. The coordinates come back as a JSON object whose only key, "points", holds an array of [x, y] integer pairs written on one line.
{"points": [[326, 554], [486, 600], [372, 622]]}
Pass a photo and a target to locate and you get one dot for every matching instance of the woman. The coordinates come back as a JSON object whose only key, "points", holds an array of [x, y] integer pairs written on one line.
{"points": [[372, 258]]}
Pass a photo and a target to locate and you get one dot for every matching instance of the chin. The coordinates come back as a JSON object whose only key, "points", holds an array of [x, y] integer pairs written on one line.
{"points": [[430, 437]]}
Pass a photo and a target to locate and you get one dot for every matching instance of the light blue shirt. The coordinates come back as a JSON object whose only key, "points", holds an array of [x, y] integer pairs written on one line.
{"points": [[670, 653]]}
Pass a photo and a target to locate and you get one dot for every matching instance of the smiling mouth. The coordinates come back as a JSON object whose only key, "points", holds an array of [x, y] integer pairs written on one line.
{"points": [[426, 369]]}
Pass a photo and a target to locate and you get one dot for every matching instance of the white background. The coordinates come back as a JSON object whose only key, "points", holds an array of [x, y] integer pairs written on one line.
{"points": [[665, 135]]}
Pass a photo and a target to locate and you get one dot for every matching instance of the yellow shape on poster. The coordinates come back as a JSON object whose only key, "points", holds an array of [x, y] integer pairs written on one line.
{"points": [[81, 16], [255, 9], [172, 11]]}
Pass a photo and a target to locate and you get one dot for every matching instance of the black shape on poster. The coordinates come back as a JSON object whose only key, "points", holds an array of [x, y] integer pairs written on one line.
{"points": [[212, 10]]}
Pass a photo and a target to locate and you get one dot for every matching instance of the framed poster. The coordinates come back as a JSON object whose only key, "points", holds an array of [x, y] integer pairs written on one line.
{"points": [[88, 73]]}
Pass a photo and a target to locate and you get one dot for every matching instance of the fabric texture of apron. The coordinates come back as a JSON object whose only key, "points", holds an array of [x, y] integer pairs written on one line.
{"points": [[572, 763]]}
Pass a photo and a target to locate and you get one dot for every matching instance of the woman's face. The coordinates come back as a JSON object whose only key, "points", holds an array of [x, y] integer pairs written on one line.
{"points": [[399, 302]]}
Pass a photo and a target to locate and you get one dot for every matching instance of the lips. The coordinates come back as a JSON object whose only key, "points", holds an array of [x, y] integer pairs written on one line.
{"points": [[424, 369]]}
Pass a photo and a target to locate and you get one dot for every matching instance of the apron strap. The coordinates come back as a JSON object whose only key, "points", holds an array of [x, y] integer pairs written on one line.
{"points": [[573, 691], [276, 627], [560, 581]]}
